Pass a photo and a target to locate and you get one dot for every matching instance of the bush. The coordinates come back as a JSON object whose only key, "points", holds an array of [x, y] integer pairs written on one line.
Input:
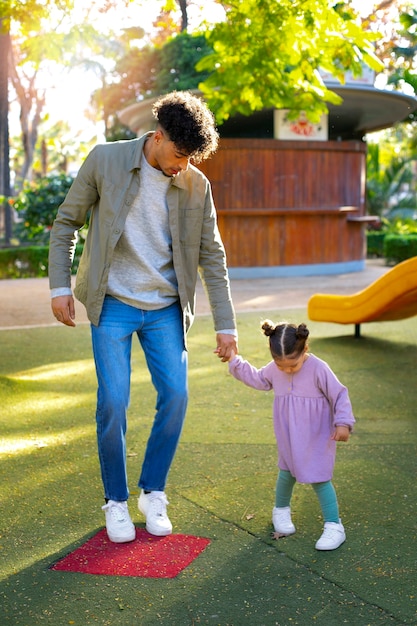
{"points": [[29, 261], [375, 243], [398, 247], [37, 206], [395, 241]]}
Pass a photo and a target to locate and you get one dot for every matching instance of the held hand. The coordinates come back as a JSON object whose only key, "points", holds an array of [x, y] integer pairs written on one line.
{"points": [[64, 310], [226, 347], [341, 433]]}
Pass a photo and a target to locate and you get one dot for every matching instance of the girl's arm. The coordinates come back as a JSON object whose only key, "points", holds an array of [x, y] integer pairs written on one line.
{"points": [[338, 397], [248, 374]]}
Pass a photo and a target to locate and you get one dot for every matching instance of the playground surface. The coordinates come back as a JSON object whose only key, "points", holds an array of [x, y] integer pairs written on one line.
{"points": [[222, 483]]}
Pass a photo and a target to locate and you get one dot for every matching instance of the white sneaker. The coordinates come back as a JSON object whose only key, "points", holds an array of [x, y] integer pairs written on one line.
{"points": [[333, 536], [153, 505], [120, 528], [281, 519]]}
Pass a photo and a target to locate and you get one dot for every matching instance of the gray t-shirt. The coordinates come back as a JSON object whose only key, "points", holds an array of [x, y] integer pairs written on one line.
{"points": [[142, 272]]}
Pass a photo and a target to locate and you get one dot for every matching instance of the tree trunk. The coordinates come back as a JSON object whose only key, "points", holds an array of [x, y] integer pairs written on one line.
{"points": [[6, 217], [32, 102], [184, 15]]}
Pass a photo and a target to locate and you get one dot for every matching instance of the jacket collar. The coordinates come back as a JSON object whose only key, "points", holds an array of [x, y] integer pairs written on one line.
{"points": [[137, 151]]}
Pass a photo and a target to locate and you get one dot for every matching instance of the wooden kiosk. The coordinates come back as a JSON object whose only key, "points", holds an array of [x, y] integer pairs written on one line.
{"points": [[290, 196]]}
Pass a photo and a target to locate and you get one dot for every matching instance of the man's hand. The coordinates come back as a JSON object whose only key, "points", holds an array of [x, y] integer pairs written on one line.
{"points": [[63, 309], [226, 346]]}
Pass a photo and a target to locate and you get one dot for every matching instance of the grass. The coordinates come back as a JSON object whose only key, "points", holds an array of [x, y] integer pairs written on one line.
{"points": [[221, 486]]}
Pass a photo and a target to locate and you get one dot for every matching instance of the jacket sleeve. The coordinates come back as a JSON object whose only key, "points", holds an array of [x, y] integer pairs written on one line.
{"points": [[72, 215], [213, 268]]}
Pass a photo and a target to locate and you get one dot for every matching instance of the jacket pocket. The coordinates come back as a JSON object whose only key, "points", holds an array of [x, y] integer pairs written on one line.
{"points": [[191, 221]]}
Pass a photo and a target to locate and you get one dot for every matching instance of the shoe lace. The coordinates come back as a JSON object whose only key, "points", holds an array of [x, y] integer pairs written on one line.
{"points": [[117, 510], [284, 516], [158, 502]]}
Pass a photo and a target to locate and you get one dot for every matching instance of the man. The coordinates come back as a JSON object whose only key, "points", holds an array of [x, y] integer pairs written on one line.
{"points": [[152, 228]]}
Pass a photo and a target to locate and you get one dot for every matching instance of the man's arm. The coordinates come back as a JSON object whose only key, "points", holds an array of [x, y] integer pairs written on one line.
{"points": [[71, 216], [213, 270]]}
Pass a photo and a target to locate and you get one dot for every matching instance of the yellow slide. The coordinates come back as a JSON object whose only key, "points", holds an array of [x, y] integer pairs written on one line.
{"points": [[393, 296]]}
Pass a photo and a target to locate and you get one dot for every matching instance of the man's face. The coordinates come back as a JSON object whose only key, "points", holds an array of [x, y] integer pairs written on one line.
{"points": [[166, 157]]}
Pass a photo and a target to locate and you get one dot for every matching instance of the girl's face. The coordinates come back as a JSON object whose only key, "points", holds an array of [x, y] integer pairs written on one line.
{"points": [[292, 363]]}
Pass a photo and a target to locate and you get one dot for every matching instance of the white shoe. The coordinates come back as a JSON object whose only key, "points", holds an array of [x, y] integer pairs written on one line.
{"points": [[333, 536], [153, 505], [120, 528], [281, 519]]}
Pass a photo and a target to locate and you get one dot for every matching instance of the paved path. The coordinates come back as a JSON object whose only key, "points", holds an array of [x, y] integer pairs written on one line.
{"points": [[25, 302]]}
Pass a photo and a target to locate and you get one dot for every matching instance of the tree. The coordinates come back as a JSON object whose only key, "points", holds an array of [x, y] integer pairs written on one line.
{"points": [[389, 183], [404, 51], [33, 60], [177, 61], [149, 71], [269, 54], [384, 18], [29, 13], [51, 40], [4, 134]]}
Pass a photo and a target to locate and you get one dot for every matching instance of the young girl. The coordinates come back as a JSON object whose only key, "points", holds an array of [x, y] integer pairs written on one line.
{"points": [[311, 412]]}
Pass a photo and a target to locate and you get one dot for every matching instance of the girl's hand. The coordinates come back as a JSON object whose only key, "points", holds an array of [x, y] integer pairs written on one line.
{"points": [[341, 433], [229, 357]]}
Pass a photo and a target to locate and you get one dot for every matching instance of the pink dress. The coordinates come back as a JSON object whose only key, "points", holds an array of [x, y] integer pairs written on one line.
{"points": [[307, 406]]}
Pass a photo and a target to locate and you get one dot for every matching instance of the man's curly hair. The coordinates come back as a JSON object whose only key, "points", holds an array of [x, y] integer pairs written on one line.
{"points": [[189, 124]]}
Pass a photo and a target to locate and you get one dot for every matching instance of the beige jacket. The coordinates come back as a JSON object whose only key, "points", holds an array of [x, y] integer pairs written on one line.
{"points": [[105, 186]]}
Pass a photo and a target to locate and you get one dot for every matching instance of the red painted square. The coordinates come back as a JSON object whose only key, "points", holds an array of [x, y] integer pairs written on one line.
{"points": [[147, 557]]}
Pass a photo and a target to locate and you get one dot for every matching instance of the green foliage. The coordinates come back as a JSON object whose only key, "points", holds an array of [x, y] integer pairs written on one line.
{"points": [[26, 262], [30, 261], [37, 206], [375, 243], [132, 79], [268, 54], [405, 53], [400, 226], [395, 240], [385, 183], [398, 247], [177, 62], [150, 71]]}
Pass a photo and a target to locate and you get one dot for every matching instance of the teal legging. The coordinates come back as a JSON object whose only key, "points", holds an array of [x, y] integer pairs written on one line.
{"points": [[325, 492]]}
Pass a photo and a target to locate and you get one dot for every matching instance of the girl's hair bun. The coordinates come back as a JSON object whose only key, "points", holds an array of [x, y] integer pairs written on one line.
{"points": [[302, 331], [268, 327]]}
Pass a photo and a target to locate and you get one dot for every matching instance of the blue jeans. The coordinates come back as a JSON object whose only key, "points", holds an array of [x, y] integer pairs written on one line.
{"points": [[161, 336]]}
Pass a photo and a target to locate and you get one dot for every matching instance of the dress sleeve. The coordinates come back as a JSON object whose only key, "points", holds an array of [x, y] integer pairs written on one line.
{"points": [[337, 395], [249, 375]]}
